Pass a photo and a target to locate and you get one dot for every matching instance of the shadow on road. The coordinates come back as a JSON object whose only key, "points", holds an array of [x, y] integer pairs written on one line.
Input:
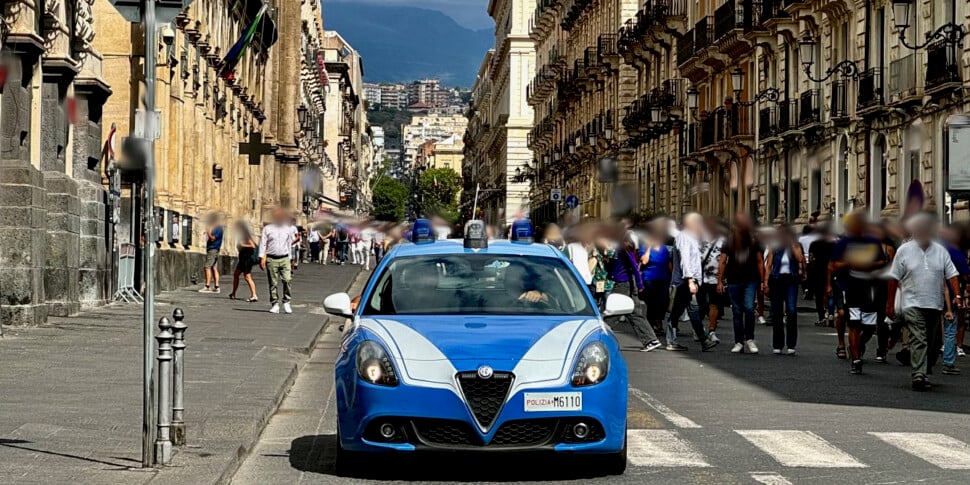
{"points": [[317, 454]]}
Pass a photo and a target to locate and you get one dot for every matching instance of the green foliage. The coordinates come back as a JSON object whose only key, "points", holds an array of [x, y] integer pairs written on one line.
{"points": [[437, 193], [389, 198]]}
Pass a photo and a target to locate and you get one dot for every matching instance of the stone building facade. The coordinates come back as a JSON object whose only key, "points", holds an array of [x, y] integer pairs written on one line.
{"points": [[717, 108], [53, 251], [496, 142]]}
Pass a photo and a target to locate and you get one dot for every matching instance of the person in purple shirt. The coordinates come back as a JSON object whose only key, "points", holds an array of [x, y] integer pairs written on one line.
{"points": [[624, 271], [953, 330]]}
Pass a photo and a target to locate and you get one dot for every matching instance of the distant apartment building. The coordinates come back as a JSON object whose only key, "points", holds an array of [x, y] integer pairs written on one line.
{"points": [[394, 96], [448, 153], [424, 128], [372, 93], [424, 91]]}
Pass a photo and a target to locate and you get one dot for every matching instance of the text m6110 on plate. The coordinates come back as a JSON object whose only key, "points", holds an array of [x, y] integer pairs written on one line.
{"points": [[553, 401]]}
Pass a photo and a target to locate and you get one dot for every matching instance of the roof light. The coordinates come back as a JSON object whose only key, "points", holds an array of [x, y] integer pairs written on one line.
{"points": [[422, 232], [522, 232], [476, 237]]}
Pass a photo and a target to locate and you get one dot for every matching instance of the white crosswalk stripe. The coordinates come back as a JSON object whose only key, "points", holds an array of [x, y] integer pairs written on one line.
{"points": [[794, 448], [770, 478], [661, 448], [939, 449]]}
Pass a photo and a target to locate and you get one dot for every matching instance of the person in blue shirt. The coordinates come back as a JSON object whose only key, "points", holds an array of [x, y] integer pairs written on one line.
{"points": [[656, 270], [213, 244], [953, 329]]}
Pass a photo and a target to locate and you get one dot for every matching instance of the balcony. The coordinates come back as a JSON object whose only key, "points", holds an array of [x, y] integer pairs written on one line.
{"points": [[710, 130], [839, 109], [768, 10], [942, 68], [787, 116], [685, 48], [903, 86], [767, 122], [870, 90], [688, 140], [608, 51], [703, 33], [808, 108], [733, 15], [574, 9], [740, 121]]}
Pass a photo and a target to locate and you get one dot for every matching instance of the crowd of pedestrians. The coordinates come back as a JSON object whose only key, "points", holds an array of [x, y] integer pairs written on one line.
{"points": [[895, 286]]}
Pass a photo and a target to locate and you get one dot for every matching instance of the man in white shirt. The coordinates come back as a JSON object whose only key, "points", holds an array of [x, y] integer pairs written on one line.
{"points": [[366, 245], [923, 271], [274, 257], [314, 238]]}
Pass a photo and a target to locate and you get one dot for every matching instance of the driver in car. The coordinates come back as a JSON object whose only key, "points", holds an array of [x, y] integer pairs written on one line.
{"points": [[520, 283]]}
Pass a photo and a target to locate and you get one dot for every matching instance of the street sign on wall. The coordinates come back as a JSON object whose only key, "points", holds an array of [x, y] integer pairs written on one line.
{"points": [[165, 10], [555, 195], [572, 202], [957, 155]]}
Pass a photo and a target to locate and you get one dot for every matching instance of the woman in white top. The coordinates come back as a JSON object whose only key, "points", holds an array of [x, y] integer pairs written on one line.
{"points": [[785, 267]]}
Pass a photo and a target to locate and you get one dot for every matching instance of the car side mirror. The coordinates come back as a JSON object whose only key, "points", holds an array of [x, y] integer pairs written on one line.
{"points": [[617, 305], [338, 304]]}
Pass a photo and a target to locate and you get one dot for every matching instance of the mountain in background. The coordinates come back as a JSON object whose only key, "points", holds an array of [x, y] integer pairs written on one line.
{"points": [[402, 44]]}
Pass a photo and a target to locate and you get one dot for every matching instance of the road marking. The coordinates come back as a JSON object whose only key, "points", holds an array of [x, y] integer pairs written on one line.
{"points": [[674, 417], [800, 449], [939, 449], [770, 478], [661, 448]]}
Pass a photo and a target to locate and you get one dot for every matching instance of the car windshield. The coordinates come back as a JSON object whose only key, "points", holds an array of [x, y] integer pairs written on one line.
{"points": [[477, 284]]}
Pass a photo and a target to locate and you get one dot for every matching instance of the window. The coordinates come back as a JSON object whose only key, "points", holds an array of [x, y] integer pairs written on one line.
{"points": [[477, 284], [774, 191]]}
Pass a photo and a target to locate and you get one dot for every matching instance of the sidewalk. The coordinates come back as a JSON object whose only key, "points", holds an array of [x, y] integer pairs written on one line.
{"points": [[70, 391]]}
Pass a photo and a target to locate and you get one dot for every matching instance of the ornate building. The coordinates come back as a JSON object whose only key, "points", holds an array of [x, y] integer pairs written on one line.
{"points": [[500, 118], [780, 108], [54, 256]]}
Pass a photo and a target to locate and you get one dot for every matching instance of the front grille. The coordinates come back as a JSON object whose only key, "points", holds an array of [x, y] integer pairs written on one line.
{"points": [[525, 432], [485, 397], [445, 432]]}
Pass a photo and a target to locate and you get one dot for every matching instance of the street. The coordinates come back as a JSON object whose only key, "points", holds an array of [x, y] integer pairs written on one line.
{"points": [[694, 418]]}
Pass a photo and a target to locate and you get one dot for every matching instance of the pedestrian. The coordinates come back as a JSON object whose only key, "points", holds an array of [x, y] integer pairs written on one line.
{"points": [[656, 268], [786, 271], [295, 245], [553, 236], [686, 280], [881, 293], [275, 253], [952, 327], [819, 255], [343, 239], [353, 245], [213, 245], [810, 234], [380, 238], [741, 273], [624, 271], [366, 244], [314, 238], [247, 259], [708, 298], [856, 261], [921, 269], [578, 251]]}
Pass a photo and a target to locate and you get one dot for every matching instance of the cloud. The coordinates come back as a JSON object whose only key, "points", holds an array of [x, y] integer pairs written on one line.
{"points": [[472, 14]]}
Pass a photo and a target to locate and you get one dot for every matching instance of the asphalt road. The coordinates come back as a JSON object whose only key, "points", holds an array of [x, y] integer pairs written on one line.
{"points": [[712, 418]]}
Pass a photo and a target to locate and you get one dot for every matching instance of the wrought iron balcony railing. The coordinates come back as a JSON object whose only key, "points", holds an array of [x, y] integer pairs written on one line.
{"points": [[839, 105], [902, 77], [942, 65], [685, 47], [703, 33], [808, 108], [870, 89]]}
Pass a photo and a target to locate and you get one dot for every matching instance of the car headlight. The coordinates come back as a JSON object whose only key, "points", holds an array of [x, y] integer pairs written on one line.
{"points": [[592, 366], [374, 365]]}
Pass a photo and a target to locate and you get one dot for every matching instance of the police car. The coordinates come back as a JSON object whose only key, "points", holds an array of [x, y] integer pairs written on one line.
{"points": [[482, 346]]}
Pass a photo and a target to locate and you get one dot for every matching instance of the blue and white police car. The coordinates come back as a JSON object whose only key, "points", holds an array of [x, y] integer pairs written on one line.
{"points": [[479, 346]]}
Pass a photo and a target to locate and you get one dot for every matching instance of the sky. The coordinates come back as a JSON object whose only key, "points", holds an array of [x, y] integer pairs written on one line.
{"points": [[469, 13]]}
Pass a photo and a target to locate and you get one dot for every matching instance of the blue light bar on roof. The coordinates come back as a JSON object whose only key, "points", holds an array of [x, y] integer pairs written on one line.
{"points": [[522, 232], [422, 232]]}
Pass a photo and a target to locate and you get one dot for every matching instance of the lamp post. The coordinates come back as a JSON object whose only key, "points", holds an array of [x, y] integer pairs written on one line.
{"points": [[846, 68], [950, 33], [770, 95]]}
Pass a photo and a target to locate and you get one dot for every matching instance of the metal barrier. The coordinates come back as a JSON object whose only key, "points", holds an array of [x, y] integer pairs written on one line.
{"points": [[163, 442], [126, 276], [178, 371]]}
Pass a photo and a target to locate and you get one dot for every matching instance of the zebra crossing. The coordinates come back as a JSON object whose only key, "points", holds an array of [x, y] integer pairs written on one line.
{"points": [[665, 448]]}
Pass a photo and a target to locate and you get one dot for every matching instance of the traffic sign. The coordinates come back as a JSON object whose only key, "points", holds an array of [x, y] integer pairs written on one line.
{"points": [[165, 10], [555, 195], [572, 202]]}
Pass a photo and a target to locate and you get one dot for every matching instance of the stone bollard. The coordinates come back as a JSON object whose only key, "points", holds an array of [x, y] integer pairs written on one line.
{"points": [[163, 441], [178, 370]]}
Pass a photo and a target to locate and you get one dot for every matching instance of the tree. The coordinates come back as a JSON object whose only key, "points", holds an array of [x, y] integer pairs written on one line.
{"points": [[437, 193], [389, 198]]}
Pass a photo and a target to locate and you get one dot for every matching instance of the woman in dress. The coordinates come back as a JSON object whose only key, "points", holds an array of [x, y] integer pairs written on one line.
{"points": [[247, 259]]}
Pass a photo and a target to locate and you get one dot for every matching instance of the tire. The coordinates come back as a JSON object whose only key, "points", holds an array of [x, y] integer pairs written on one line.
{"points": [[615, 463]]}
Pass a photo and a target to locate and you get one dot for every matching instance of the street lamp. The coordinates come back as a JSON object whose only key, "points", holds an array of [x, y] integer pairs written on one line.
{"points": [[846, 68], [692, 98], [301, 113], [737, 81], [950, 33]]}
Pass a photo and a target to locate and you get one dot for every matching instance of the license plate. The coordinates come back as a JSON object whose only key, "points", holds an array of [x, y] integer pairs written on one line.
{"points": [[553, 401]]}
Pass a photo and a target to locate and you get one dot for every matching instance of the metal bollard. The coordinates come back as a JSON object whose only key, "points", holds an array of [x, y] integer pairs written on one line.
{"points": [[163, 442], [178, 370]]}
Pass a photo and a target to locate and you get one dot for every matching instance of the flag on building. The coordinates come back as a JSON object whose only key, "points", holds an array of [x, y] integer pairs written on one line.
{"points": [[228, 70]]}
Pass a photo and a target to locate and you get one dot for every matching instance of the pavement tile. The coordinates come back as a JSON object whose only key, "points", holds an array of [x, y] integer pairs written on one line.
{"points": [[71, 390]]}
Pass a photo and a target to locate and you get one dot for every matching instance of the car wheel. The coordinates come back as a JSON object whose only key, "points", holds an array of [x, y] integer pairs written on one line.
{"points": [[615, 463], [347, 463]]}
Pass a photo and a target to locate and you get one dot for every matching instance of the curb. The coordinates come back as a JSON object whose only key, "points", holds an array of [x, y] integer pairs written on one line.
{"points": [[260, 426]]}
